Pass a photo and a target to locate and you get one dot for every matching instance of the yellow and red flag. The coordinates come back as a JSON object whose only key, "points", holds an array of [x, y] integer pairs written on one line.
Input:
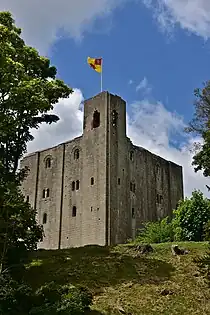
{"points": [[95, 63]]}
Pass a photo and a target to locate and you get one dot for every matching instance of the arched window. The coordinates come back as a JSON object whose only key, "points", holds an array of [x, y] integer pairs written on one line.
{"points": [[48, 162], [43, 193], [73, 186], [27, 198], [76, 154], [74, 211], [48, 192], [96, 119], [92, 181], [44, 221], [77, 184]]}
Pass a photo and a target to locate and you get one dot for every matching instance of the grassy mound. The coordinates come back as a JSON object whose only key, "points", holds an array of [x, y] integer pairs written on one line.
{"points": [[122, 283]]}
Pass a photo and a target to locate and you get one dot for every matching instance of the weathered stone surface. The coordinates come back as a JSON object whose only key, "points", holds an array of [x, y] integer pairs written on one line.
{"points": [[120, 185]]}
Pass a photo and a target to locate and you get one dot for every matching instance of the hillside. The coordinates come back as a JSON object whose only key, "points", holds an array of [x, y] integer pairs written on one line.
{"points": [[155, 283]]}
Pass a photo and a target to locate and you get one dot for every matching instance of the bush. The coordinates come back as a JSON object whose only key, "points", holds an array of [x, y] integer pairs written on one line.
{"points": [[52, 299], [156, 232], [18, 298], [191, 217], [207, 231], [15, 298]]}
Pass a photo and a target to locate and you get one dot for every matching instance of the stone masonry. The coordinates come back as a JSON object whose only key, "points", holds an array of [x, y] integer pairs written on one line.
{"points": [[99, 188]]}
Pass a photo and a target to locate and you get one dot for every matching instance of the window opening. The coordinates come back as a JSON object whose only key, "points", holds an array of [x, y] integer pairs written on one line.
{"points": [[92, 181], [76, 154], [27, 198], [131, 155], [44, 221], [43, 193], [48, 163], [74, 211], [133, 213], [73, 186], [118, 181], [77, 184], [48, 192], [114, 117], [96, 119]]}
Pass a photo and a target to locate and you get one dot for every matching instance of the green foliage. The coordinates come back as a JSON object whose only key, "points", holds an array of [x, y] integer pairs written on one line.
{"points": [[200, 125], [17, 298], [53, 299], [156, 232], [207, 231], [191, 217], [28, 90]]}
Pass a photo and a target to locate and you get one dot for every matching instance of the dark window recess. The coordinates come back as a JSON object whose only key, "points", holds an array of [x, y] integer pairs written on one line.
{"points": [[114, 118], [74, 211], [73, 186], [118, 181], [91, 209], [48, 192], [44, 221], [48, 163], [92, 181], [132, 187], [27, 198], [96, 119], [43, 193], [76, 154], [159, 199], [133, 213], [77, 184], [131, 155]]}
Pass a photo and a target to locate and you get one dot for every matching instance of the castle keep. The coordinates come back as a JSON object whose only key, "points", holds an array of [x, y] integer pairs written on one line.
{"points": [[99, 188]]}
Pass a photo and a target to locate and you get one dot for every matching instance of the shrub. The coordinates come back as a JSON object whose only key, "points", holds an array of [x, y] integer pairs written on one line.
{"points": [[52, 299], [15, 298], [18, 298], [156, 232], [190, 218], [207, 231]]}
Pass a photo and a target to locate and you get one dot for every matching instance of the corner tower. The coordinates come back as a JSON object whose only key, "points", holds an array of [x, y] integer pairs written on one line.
{"points": [[104, 136]]}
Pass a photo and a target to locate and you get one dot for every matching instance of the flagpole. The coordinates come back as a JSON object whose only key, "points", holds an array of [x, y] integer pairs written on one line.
{"points": [[101, 74]]}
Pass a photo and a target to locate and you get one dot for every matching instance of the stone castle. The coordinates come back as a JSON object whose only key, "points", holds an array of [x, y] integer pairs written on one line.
{"points": [[99, 188]]}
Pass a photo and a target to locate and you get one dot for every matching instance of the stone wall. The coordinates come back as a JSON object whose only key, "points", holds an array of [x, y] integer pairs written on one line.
{"points": [[118, 186]]}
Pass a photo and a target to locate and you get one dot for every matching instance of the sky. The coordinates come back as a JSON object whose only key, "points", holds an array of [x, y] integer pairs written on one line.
{"points": [[154, 54]]}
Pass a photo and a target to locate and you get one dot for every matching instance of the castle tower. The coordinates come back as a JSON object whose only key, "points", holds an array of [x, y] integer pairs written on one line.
{"points": [[104, 138]]}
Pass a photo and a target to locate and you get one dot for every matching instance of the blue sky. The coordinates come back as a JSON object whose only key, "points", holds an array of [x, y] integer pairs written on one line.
{"points": [[155, 53]]}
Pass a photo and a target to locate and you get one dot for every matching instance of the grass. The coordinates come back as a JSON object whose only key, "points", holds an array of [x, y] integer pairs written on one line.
{"points": [[124, 283]]}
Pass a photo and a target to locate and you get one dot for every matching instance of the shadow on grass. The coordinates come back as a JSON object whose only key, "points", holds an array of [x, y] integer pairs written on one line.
{"points": [[95, 267]]}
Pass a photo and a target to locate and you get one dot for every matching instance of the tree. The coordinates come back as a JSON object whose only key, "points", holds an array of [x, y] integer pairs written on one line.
{"points": [[200, 126], [28, 90], [191, 217]]}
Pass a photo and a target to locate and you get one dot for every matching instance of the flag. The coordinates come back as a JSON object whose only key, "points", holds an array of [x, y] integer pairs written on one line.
{"points": [[95, 63]]}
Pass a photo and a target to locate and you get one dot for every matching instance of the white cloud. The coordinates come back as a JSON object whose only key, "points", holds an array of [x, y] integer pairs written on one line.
{"points": [[42, 19], [69, 126], [130, 82], [191, 15], [144, 86], [149, 125]]}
